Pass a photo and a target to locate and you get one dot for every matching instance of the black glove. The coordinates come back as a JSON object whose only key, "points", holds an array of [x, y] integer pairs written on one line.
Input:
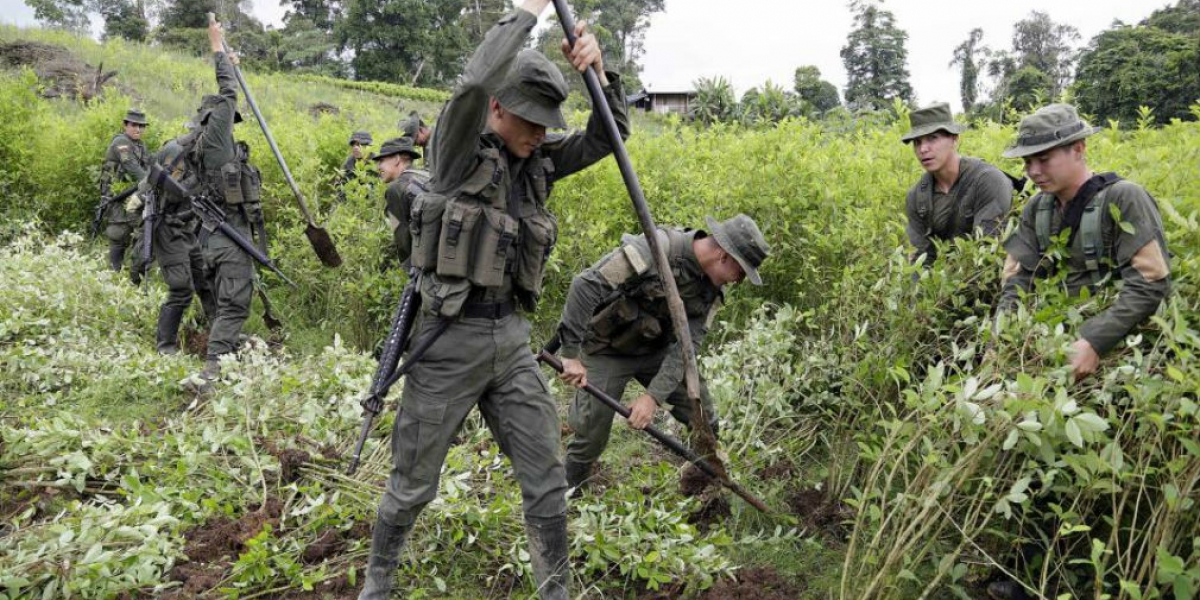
{"points": [[372, 404]]}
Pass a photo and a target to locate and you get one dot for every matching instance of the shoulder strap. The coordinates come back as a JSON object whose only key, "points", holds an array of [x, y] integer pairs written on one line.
{"points": [[1091, 234], [1041, 224]]}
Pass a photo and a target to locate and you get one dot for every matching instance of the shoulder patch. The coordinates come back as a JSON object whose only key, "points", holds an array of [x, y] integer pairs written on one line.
{"points": [[636, 260], [616, 270]]}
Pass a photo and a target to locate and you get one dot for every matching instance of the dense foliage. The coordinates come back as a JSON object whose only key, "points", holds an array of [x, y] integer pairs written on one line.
{"points": [[948, 454]]}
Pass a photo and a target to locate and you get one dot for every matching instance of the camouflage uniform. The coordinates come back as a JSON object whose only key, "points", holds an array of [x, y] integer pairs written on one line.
{"points": [[483, 358], [125, 160]]}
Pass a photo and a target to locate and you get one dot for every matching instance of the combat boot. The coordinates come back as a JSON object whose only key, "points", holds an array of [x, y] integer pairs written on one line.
{"points": [[207, 376], [167, 335], [577, 476], [1007, 590], [548, 554], [386, 543], [116, 257]]}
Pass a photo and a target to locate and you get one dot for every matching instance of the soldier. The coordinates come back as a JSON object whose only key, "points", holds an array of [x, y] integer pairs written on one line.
{"points": [[125, 160], [616, 327], [958, 194], [359, 142], [220, 170], [176, 249], [394, 161], [415, 129], [1099, 247], [494, 167]]}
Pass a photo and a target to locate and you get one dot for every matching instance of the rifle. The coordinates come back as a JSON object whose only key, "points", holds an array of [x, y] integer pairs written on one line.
{"points": [[150, 217], [546, 356], [389, 357], [104, 204], [212, 219]]}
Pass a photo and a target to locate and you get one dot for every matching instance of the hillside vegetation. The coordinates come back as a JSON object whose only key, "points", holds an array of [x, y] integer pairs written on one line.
{"points": [[907, 451]]}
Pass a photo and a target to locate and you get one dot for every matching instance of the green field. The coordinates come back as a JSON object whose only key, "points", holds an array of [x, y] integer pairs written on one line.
{"points": [[901, 458]]}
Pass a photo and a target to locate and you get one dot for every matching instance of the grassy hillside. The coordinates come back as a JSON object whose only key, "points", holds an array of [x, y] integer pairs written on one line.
{"points": [[908, 451]]}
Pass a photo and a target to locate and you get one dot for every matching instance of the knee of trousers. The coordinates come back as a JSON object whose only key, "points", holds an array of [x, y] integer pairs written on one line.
{"points": [[401, 510]]}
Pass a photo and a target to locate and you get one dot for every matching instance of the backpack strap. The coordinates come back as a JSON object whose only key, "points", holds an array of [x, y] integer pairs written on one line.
{"points": [[1041, 224]]}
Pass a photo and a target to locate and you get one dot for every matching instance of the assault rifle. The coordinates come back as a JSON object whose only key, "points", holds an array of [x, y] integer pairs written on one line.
{"points": [[150, 217], [212, 219], [104, 204]]}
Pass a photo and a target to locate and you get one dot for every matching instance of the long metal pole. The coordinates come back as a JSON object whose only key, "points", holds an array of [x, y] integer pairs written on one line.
{"points": [[706, 440]]}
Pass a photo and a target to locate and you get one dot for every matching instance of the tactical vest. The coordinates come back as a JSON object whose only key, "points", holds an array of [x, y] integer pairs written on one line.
{"points": [[637, 320], [1091, 234], [476, 236], [962, 221]]}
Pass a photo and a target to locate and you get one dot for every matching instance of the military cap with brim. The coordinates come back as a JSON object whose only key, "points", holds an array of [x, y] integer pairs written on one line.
{"points": [[412, 125], [206, 107], [400, 145], [534, 89], [740, 237], [136, 117], [930, 119], [1050, 127], [362, 137]]}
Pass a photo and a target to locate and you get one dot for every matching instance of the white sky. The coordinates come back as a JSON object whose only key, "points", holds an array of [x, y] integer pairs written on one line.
{"points": [[707, 38]]}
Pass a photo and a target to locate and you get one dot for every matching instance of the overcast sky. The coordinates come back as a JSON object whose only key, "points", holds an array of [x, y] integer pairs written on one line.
{"points": [[707, 38]]}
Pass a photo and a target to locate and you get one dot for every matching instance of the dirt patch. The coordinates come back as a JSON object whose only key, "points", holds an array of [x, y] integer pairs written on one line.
{"points": [[323, 108], [61, 74], [328, 544], [819, 512], [758, 583], [784, 469], [212, 547], [195, 341], [693, 481], [360, 531], [290, 460], [714, 509]]}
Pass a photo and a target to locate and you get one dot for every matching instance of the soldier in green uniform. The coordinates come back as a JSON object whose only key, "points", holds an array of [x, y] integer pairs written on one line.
{"points": [[394, 162], [219, 169], [1076, 205], [125, 160], [176, 249], [480, 239], [415, 129], [359, 142], [957, 195], [616, 327]]}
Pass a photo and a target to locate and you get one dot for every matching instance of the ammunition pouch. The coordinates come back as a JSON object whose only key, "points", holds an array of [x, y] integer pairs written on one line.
{"points": [[251, 184], [443, 296], [231, 183], [425, 225], [539, 232], [456, 244], [497, 234]]}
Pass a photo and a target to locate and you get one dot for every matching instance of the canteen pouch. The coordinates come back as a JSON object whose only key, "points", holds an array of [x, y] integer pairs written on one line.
{"points": [[443, 296], [539, 232], [231, 183], [497, 233], [251, 184], [425, 225], [456, 243]]}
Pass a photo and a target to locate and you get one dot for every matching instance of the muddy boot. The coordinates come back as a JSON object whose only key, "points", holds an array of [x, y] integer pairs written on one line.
{"points": [[386, 543], [167, 335], [1007, 590], [577, 477], [116, 257], [548, 554], [207, 376]]}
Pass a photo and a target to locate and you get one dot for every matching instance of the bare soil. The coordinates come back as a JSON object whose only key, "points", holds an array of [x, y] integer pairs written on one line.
{"points": [[60, 72], [758, 583], [821, 513]]}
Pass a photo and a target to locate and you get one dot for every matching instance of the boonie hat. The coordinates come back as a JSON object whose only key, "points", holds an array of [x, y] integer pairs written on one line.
{"points": [[136, 117], [740, 237], [412, 125], [400, 145], [362, 137], [930, 119], [1050, 127], [534, 89]]}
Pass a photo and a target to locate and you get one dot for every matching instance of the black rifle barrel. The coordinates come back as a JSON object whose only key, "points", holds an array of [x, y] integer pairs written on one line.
{"points": [[393, 348], [546, 355], [100, 208]]}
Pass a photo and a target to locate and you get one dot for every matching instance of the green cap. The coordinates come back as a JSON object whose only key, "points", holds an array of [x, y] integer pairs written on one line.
{"points": [[1050, 127], [136, 117], [930, 119], [534, 89], [400, 145], [208, 103], [362, 137], [412, 125], [740, 237]]}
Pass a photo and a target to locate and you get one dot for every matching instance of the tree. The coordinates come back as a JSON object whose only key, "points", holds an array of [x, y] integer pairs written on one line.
{"points": [[318, 14], [814, 91], [620, 27], [122, 18], [1041, 43], [71, 15], [125, 19], [714, 101], [771, 104], [405, 41], [967, 57], [875, 59], [1127, 67]]}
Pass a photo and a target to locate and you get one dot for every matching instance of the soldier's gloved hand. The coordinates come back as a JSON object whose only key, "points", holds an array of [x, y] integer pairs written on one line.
{"points": [[573, 372], [134, 203], [641, 412], [372, 404]]}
